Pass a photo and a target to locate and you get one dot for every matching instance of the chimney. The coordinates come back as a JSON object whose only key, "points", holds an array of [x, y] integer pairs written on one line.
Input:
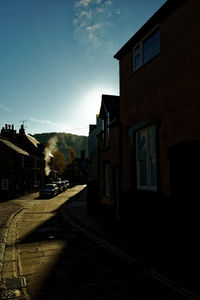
{"points": [[22, 131], [8, 132]]}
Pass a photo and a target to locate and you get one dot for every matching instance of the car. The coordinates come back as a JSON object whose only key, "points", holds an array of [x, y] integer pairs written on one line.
{"points": [[64, 185], [67, 183], [59, 185], [49, 190]]}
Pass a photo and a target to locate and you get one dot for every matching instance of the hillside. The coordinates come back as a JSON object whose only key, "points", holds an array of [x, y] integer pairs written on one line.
{"points": [[64, 141]]}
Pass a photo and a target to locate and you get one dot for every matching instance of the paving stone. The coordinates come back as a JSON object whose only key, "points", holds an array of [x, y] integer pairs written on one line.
{"points": [[2, 247], [1, 256], [31, 254]]}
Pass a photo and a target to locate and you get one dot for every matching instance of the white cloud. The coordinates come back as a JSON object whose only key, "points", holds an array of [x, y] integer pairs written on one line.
{"points": [[42, 121], [86, 3], [108, 3], [92, 19], [3, 107]]}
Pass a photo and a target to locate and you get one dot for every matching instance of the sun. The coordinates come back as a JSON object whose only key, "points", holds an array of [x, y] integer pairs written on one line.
{"points": [[91, 102]]}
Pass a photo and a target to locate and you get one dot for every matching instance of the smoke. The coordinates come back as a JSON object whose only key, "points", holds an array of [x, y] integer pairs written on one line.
{"points": [[49, 149]]}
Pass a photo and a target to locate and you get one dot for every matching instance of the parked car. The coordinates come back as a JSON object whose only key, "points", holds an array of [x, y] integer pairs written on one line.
{"points": [[67, 182], [64, 185], [59, 185], [49, 190]]}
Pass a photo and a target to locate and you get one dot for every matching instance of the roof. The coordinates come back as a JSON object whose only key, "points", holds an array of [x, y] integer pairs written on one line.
{"points": [[109, 103], [32, 140], [13, 147], [167, 8]]}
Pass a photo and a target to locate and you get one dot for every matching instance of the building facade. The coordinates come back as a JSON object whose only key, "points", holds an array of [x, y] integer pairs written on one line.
{"points": [[22, 163], [159, 109], [109, 153]]}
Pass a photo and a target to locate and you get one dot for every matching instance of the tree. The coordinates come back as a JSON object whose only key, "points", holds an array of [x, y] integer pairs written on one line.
{"points": [[72, 155], [59, 161]]}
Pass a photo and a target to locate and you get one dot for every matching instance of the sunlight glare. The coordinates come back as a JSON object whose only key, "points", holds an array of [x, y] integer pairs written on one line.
{"points": [[91, 102]]}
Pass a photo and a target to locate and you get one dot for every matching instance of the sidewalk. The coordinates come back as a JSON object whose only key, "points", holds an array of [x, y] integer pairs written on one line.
{"points": [[178, 261], [7, 212], [105, 226]]}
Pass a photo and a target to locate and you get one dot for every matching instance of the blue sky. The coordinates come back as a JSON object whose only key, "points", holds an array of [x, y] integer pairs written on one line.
{"points": [[56, 59]]}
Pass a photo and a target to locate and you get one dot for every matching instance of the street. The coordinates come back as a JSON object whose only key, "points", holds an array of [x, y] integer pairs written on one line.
{"points": [[47, 256]]}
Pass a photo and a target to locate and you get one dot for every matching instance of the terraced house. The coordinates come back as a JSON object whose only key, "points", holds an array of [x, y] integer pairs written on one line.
{"points": [[159, 115], [21, 161]]}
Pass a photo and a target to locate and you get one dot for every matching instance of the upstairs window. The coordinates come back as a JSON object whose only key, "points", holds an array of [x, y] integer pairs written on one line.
{"points": [[147, 49], [151, 46], [137, 57]]}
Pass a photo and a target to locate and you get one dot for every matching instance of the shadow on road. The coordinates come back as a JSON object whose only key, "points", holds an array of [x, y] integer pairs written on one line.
{"points": [[81, 270]]}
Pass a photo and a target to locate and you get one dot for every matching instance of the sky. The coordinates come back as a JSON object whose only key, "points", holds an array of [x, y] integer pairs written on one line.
{"points": [[56, 59]]}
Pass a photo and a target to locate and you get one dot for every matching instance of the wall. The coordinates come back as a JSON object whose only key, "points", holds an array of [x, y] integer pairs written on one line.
{"points": [[166, 88]]}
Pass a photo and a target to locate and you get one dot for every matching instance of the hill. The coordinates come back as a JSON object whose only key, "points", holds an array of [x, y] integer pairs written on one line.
{"points": [[65, 140]]}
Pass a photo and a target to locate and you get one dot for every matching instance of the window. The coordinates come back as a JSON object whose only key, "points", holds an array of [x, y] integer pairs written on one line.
{"points": [[146, 158], [147, 49], [4, 184], [137, 57]]}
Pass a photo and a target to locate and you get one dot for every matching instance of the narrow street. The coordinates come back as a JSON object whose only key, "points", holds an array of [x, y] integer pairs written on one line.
{"points": [[48, 256]]}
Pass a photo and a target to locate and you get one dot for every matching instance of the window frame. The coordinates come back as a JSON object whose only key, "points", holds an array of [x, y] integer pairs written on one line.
{"points": [[141, 46], [148, 159]]}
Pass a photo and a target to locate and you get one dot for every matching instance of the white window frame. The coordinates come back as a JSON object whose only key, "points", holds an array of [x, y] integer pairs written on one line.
{"points": [[149, 158], [141, 51], [5, 184]]}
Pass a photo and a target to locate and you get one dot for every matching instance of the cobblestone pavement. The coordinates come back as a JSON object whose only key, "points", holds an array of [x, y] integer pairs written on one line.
{"points": [[48, 256]]}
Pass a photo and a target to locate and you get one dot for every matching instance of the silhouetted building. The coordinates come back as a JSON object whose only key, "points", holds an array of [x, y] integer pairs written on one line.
{"points": [[13, 160], [93, 184], [21, 162], [159, 114], [109, 153]]}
